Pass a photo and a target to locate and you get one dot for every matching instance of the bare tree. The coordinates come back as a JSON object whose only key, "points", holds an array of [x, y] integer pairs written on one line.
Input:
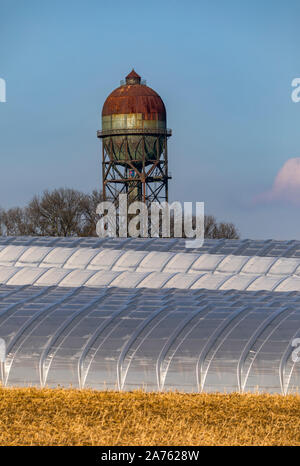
{"points": [[15, 222], [57, 213], [213, 229], [61, 212], [89, 205], [209, 226], [226, 230]]}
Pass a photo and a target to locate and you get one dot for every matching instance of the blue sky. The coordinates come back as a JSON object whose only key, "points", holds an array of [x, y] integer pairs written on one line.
{"points": [[223, 69]]}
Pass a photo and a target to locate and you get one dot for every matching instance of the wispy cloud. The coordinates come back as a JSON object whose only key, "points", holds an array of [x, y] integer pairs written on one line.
{"points": [[286, 186]]}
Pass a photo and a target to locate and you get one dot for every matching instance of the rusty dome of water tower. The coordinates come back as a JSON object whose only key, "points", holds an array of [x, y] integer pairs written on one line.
{"points": [[133, 104]]}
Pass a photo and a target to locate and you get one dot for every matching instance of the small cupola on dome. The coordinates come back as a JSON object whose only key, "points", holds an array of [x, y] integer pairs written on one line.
{"points": [[133, 78]]}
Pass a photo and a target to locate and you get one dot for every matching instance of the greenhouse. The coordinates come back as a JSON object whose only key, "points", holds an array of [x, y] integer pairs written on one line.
{"points": [[148, 313]]}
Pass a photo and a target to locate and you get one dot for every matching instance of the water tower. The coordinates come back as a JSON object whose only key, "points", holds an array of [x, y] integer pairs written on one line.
{"points": [[134, 143]]}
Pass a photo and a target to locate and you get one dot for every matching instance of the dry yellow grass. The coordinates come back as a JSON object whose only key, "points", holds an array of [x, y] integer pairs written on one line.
{"points": [[73, 417]]}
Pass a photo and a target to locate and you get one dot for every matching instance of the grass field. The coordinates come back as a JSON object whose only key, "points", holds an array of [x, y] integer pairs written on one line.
{"points": [[72, 417]]}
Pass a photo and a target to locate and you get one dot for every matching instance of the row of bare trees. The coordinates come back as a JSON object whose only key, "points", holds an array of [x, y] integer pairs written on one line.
{"points": [[218, 230], [68, 212], [62, 212]]}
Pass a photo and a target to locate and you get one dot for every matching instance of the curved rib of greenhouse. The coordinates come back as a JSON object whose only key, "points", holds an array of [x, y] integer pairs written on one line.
{"points": [[149, 313]]}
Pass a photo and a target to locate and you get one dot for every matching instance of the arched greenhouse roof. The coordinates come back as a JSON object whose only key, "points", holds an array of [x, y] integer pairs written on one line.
{"points": [[149, 313]]}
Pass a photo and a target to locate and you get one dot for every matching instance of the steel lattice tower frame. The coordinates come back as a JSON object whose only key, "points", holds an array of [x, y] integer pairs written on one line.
{"points": [[142, 180]]}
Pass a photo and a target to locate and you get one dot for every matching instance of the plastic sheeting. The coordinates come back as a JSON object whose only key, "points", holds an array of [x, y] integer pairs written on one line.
{"points": [[121, 318], [245, 247], [96, 267]]}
